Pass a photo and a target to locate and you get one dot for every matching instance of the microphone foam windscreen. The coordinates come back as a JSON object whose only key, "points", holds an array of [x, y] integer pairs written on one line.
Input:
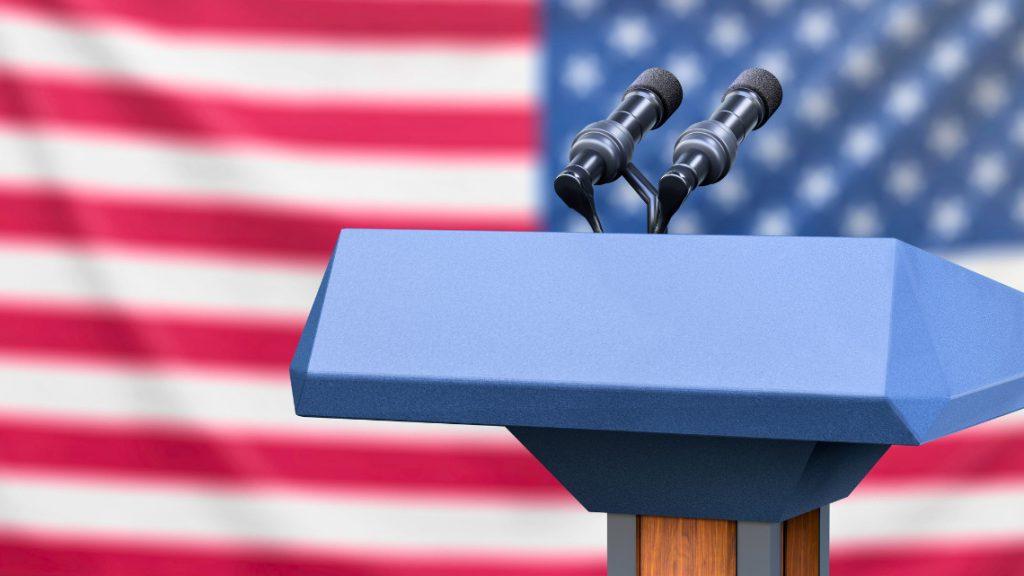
{"points": [[664, 85], [764, 84]]}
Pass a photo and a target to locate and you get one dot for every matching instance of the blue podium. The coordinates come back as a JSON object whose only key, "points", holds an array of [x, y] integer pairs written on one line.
{"points": [[721, 391]]}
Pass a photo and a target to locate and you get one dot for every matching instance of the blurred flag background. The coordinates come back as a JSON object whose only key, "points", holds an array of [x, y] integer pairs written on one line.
{"points": [[173, 176]]}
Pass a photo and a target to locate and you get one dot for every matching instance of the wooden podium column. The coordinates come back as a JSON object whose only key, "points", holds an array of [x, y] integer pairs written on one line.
{"points": [[662, 546], [683, 546], [805, 544]]}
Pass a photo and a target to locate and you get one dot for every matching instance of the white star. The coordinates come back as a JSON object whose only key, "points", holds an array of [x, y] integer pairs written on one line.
{"points": [[728, 33], [1017, 131], [949, 218], [772, 147], [905, 181], [730, 192], [862, 143], [685, 222], [773, 6], [989, 172], [906, 101], [567, 140], [860, 4], [991, 94], [861, 64], [668, 145], [714, 100], [1018, 207], [773, 222], [817, 187], [624, 198], [612, 99], [862, 220], [630, 36], [582, 74], [581, 9], [948, 58], [778, 62], [576, 223], [992, 17], [817, 106], [905, 23], [816, 28], [682, 8], [687, 68], [947, 137]]}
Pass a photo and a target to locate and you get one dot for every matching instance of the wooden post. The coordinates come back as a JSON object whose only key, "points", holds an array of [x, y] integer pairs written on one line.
{"points": [[685, 547], [662, 546], [805, 548]]}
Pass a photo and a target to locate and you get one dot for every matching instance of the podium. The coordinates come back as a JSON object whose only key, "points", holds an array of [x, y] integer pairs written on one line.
{"points": [[711, 394]]}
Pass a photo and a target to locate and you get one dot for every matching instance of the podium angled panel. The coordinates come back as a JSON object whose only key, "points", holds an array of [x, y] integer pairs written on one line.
{"points": [[699, 476], [957, 338]]}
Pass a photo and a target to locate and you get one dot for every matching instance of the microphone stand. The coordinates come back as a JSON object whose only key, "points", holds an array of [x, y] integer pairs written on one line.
{"points": [[643, 187], [647, 192]]}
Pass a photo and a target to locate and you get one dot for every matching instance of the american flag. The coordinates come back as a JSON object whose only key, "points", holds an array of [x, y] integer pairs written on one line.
{"points": [[174, 174]]}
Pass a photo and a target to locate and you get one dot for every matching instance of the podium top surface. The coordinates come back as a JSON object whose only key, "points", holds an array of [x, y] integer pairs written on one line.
{"points": [[830, 339]]}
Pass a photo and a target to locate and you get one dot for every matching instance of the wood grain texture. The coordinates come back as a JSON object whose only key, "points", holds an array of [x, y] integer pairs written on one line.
{"points": [[685, 547], [800, 545]]}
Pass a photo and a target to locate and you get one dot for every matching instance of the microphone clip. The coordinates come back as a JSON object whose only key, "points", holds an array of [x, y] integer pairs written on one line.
{"points": [[575, 188]]}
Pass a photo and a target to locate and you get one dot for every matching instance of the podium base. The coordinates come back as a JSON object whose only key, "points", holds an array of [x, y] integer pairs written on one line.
{"points": [[663, 546]]}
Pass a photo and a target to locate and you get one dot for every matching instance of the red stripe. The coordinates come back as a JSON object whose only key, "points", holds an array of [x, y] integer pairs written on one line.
{"points": [[144, 452], [90, 333], [54, 556], [51, 212], [1005, 559], [969, 457], [24, 556], [111, 334], [78, 332], [334, 20], [462, 128]]}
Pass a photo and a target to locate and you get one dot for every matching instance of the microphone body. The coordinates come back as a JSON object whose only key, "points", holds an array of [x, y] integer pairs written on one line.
{"points": [[706, 150], [603, 148], [601, 152]]}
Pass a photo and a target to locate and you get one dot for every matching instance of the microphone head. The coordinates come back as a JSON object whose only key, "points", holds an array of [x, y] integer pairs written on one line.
{"points": [[765, 85], [662, 84]]}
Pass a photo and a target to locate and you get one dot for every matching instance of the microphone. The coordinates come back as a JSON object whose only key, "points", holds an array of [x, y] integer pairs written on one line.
{"points": [[706, 150], [601, 152]]}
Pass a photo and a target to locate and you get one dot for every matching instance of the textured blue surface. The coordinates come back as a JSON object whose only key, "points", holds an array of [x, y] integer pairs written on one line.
{"points": [[822, 339]]}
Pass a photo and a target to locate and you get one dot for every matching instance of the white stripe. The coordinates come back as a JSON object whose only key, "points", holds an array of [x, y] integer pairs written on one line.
{"points": [[919, 514], [269, 517], [241, 402], [230, 401], [1012, 423], [84, 274], [77, 273], [268, 68], [278, 517], [1002, 264], [252, 174]]}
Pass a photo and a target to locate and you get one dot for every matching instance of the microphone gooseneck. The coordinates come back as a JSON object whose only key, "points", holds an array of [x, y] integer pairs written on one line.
{"points": [[706, 150], [602, 151]]}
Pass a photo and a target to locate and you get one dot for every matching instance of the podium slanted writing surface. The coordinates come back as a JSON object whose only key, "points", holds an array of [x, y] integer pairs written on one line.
{"points": [[748, 379]]}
